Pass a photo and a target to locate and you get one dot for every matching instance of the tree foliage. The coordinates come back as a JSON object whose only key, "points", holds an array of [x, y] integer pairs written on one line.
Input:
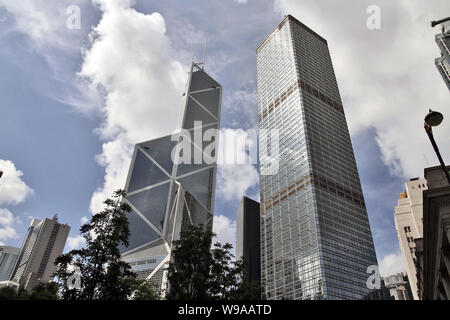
{"points": [[197, 272], [12, 293], [42, 291], [145, 290], [97, 270], [188, 272]]}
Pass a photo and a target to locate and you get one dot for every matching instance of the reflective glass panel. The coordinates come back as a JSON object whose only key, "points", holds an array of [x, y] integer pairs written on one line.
{"points": [[209, 100], [200, 186], [144, 173], [194, 112], [200, 80], [140, 232], [199, 214], [161, 151], [152, 203]]}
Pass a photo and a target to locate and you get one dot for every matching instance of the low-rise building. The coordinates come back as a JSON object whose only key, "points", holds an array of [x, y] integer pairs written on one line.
{"points": [[408, 224], [433, 251], [398, 286]]}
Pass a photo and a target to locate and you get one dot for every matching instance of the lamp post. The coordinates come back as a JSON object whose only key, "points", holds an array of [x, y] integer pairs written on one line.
{"points": [[433, 119], [435, 23]]}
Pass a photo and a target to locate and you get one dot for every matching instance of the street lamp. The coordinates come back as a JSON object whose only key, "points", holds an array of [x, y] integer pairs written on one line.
{"points": [[435, 23], [433, 119]]}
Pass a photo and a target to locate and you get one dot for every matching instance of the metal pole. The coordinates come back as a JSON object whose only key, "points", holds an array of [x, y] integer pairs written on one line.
{"points": [[436, 149], [435, 23]]}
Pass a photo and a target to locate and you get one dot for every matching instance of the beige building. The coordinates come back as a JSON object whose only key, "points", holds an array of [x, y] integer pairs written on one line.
{"points": [[398, 286], [44, 242], [433, 250], [409, 225]]}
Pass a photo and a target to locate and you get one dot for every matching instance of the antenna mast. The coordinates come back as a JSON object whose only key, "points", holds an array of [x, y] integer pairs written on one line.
{"points": [[204, 53]]}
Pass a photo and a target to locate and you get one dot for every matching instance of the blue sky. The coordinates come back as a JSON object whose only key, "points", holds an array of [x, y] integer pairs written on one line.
{"points": [[74, 101]]}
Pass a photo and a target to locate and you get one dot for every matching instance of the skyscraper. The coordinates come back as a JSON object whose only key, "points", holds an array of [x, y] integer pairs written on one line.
{"points": [[316, 241], [44, 242], [171, 181], [248, 237], [408, 224], [443, 62], [8, 258]]}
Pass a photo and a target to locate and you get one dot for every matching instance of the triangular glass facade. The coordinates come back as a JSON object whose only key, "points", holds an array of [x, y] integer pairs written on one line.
{"points": [[145, 173], [166, 197]]}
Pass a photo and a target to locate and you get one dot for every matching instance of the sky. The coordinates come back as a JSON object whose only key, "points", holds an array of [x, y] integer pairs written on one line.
{"points": [[83, 81]]}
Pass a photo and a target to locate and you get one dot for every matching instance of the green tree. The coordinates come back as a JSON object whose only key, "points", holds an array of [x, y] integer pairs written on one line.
{"points": [[189, 270], [102, 273], [9, 293], [249, 290], [226, 273], [44, 291], [41, 291], [197, 272], [145, 291], [65, 277]]}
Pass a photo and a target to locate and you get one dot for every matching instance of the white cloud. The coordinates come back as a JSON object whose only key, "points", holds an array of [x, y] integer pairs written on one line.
{"points": [[234, 177], [84, 220], [44, 21], [6, 220], [13, 190], [235, 180], [142, 84], [225, 229], [241, 105], [6, 217], [8, 232], [387, 77], [391, 264], [76, 242]]}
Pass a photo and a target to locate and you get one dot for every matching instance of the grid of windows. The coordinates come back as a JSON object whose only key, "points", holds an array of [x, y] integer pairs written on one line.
{"points": [[316, 241]]}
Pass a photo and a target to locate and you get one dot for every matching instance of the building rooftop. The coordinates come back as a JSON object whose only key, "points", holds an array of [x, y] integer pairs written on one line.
{"points": [[286, 18]]}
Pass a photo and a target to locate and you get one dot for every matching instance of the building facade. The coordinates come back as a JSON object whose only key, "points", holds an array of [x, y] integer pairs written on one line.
{"points": [[8, 258], [398, 286], [316, 241], [171, 181], [44, 242], [409, 226], [248, 237], [443, 62], [433, 261]]}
